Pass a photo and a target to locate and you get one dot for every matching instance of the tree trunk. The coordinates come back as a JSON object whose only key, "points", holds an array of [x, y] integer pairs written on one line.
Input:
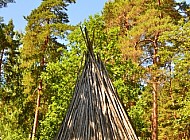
{"points": [[1, 62], [37, 110], [155, 87], [155, 91], [155, 110], [42, 64]]}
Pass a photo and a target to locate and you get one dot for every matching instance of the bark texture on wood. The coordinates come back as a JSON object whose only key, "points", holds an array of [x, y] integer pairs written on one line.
{"points": [[37, 111], [95, 112], [42, 64], [1, 63], [155, 91]]}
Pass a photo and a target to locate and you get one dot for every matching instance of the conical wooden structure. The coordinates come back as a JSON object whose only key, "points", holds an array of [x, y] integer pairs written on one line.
{"points": [[95, 112]]}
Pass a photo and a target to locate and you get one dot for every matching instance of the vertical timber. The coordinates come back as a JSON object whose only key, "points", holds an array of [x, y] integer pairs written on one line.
{"points": [[37, 110], [155, 91], [155, 110], [155, 87]]}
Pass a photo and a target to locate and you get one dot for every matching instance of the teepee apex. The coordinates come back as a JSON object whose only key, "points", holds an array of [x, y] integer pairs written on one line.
{"points": [[95, 111]]}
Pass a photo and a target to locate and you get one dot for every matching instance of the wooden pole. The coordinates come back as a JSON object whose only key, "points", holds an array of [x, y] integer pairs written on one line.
{"points": [[37, 110], [95, 112]]}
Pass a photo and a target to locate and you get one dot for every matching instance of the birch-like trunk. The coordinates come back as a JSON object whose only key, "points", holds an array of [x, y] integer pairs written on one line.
{"points": [[37, 110]]}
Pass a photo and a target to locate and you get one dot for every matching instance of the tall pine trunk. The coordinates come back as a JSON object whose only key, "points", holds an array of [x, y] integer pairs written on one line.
{"points": [[155, 91], [155, 110], [1, 63], [155, 88], [42, 64], [37, 110]]}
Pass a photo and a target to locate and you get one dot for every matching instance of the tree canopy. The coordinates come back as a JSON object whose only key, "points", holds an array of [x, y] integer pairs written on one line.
{"points": [[3, 3], [144, 45]]}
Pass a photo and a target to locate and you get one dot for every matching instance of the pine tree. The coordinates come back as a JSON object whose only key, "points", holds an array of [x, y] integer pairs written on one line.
{"points": [[2, 48], [142, 23], [3, 3], [10, 89], [175, 100], [9, 54], [45, 25]]}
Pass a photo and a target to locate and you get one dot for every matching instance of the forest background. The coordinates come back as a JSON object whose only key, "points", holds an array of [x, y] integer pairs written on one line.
{"points": [[145, 45]]}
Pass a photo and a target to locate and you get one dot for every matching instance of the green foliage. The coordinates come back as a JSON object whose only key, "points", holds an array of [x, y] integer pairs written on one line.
{"points": [[175, 102], [140, 116], [126, 37], [10, 86], [59, 79], [3, 3], [46, 24], [9, 125], [106, 44], [142, 27]]}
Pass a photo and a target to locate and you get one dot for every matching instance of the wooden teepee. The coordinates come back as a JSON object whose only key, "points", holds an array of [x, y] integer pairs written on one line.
{"points": [[95, 112]]}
